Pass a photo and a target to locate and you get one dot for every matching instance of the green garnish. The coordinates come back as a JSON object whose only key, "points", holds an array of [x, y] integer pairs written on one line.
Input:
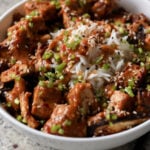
{"points": [[34, 13], [50, 76], [60, 67], [55, 128], [47, 55], [106, 66], [67, 2], [19, 118], [73, 19], [15, 77], [147, 31], [22, 28], [28, 17], [61, 131], [42, 83], [86, 15], [114, 117], [140, 50], [24, 120], [61, 87], [16, 101], [50, 84], [42, 68], [107, 34], [59, 75], [148, 87], [74, 44], [57, 57], [99, 59], [56, 3], [31, 24], [8, 104], [131, 82], [129, 91], [108, 116], [122, 30], [9, 33], [67, 122], [12, 60], [82, 3]]}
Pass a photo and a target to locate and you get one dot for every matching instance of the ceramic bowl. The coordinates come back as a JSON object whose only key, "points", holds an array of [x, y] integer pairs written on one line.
{"points": [[68, 143]]}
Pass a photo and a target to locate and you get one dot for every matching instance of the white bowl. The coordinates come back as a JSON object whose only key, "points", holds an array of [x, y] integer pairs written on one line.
{"points": [[68, 143]]}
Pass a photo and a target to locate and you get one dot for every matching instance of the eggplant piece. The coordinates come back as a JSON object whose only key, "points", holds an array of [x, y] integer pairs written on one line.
{"points": [[108, 129], [25, 112], [14, 72]]}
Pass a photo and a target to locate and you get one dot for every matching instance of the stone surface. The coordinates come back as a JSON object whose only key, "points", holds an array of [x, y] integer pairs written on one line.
{"points": [[11, 139]]}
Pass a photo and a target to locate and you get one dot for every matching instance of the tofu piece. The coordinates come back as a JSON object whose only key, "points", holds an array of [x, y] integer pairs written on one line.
{"points": [[121, 101], [65, 121], [82, 97], [44, 101]]}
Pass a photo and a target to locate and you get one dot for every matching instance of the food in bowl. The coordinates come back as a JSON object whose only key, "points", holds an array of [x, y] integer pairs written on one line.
{"points": [[76, 68]]}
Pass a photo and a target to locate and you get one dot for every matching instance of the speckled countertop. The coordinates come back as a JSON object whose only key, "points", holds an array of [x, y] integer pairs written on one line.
{"points": [[11, 139]]}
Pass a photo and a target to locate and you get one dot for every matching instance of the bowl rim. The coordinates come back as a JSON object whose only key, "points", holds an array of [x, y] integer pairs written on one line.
{"points": [[24, 127]]}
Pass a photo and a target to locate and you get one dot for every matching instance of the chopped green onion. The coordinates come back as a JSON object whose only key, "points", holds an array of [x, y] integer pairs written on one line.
{"points": [[55, 128], [50, 84], [8, 104], [34, 13], [9, 33], [73, 19], [31, 24], [131, 82], [19, 118], [42, 122], [107, 34], [61, 131], [12, 60], [147, 31], [148, 87], [82, 3], [140, 50], [118, 23], [99, 59], [60, 67], [129, 91], [73, 45], [121, 30], [22, 28], [110, 123], [47, 55], [16, 101], [67, 2], [28, 17], [108, 116], [86, 15], [50, 76], [72, 57], [15, 77], [42, 83], [24, 120], [56, 3], [106, 66], [67, 122], [82, 111], [57, 57], [114, 117], [61, 87], [42, 68], [142, 64]]}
